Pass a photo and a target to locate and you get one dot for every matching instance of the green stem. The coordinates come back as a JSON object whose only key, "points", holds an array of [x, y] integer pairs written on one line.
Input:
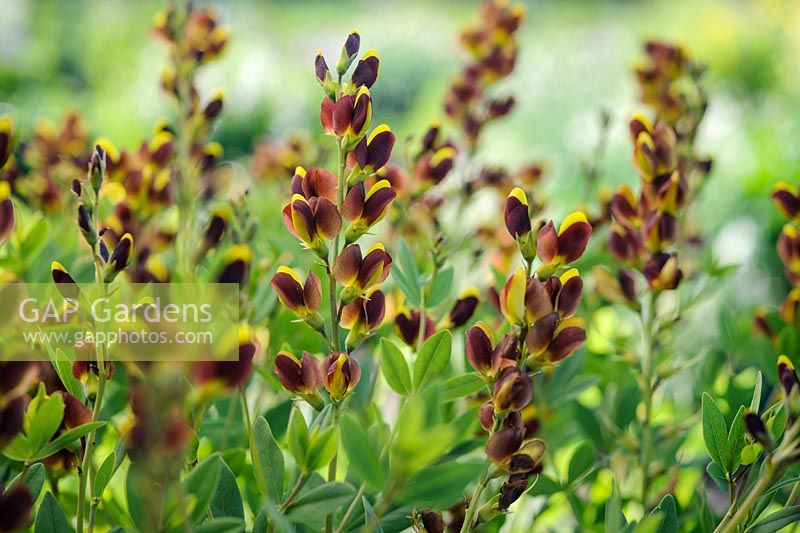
{"points": [[734, 517], [301, 481], [648, 316], [336, 339], [474, 502], [332, 469]]}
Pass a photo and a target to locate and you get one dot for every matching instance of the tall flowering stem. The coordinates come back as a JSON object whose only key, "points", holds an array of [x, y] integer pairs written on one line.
{"points": [[194, 38]]}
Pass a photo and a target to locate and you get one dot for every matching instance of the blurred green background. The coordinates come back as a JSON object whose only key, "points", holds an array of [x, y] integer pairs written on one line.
{"points": [[576, 59]]}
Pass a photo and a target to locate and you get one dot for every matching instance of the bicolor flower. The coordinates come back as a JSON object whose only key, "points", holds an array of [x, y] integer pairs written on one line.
{"points": [[64, 282], [788, 377], [512, 297], [559, 295], [366, 71], [303, 299], [435, 165], [236, 264], [407, 323], [314, 183], [216, 226], [616, 289], [349, 52], [786, 199], [513, 390], [431, 521], [550, 340], [568, 244], [506, 449], [16, 504], [300, 376], [662, 272], [85, 225], [625, 207], [364, 208], [348, 117], [6, 138], [7, 218], [486, 358], [789, 251], [626, 244], [120, 257], [340, 375], [313, 221], [359, 274], [515, 214], [373, 152], [518, 223], [323, 75], [464, 307], [758, 430], [660, 229], [363, 315], [215, 376], [654, 147]]}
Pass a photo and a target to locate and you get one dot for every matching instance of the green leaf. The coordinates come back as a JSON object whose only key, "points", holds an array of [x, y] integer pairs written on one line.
{"points": [[736, 441], [395, 368], [297, 438], [440, 288], [755, 403], [278, 520], [222, 525], [34, 480], [409, 290], [433, 358], [35, 236], [456, 387], [202, 482], [408, 263], [104, 474], [718, 475], [227, 500], [777, 520], [45, 421], [51, 518], [311, 507], [581, 462], [67, 438], [669, 520], [63, 367], [322, 448], [544, 486], [19, 449], [364, 459], [615, 519], [267, 458], [715, 431], [370, 517], [440, 485]]}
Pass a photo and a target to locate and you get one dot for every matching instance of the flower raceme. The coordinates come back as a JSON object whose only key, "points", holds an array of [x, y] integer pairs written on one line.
{"points": [[357, 273], [303, 299]]}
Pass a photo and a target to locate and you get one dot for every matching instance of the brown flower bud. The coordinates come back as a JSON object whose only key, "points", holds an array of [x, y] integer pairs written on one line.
{"points": [[513, 390]]}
